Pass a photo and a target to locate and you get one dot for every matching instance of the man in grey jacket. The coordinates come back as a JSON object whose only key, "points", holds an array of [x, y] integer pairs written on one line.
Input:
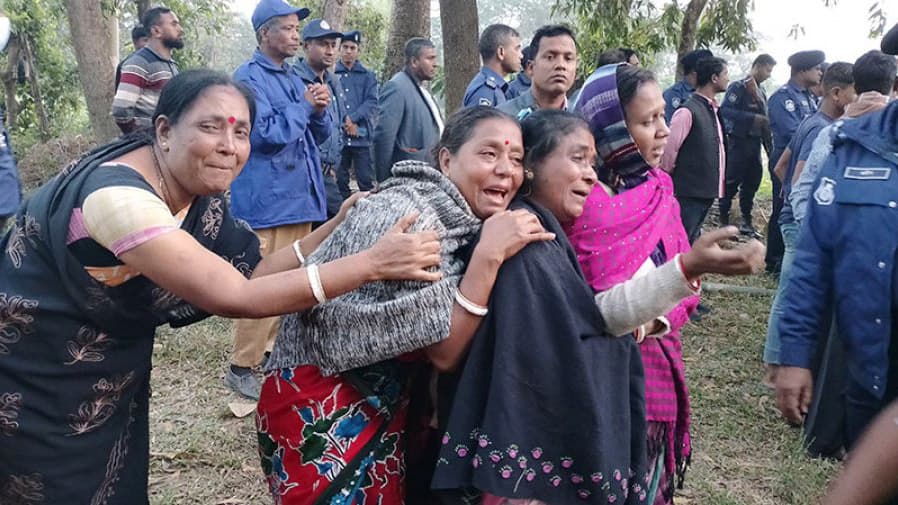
{"points": [[410, 122]]}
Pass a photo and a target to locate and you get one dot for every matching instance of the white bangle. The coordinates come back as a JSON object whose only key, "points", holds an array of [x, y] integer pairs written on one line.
{"points": [[315, 282], [298, 253], [469, 306]]}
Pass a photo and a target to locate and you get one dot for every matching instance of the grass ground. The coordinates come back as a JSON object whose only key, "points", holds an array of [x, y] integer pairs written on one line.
{"points": [[744, 454]]}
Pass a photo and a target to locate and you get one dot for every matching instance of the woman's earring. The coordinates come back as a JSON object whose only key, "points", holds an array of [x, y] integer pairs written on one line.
{"points": [[164, 146], [528, 174]]}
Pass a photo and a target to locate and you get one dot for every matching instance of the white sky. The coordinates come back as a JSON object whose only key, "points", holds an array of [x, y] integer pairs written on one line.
{"points": [[840, 30]]}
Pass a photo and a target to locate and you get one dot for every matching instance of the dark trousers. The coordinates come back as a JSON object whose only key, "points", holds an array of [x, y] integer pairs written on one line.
{"points": [[743, 175], [334, 200], [775, 246], [359, 159], [693, 212], [3, 220]]}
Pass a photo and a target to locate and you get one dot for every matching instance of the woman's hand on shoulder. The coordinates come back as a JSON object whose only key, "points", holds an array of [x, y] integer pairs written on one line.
{"points": [[506, 233], [400, 255], [348, 204], [707, 257]]}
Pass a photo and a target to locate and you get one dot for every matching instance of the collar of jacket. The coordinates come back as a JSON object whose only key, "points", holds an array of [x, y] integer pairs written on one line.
{"points": [[265, 62], [308, 75], [357, 68], [795, 87]]}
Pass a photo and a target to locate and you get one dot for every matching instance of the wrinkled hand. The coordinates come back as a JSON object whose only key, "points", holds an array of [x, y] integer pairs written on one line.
{"points": [[399, 255], [351, 128], [348, 204], [707, 257], [507, 232], [319, 96], [794, 388]]}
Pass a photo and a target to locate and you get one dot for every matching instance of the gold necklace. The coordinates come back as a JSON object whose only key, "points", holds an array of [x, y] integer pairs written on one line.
{"points": [[162, 185]]}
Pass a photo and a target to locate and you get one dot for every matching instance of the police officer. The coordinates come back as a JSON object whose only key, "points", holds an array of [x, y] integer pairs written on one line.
{"points": [[846, 256], [10, 187], [319, 41], [359, 87], [500, 50], [676, 95], [744, 112], [787, 107], [521, 83]]}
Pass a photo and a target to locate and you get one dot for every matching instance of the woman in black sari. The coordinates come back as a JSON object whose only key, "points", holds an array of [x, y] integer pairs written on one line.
{"points": [[135, 235]]}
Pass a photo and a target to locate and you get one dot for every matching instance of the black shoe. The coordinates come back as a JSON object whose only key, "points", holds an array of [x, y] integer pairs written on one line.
{"points": [[703, 309], [750, 231]]}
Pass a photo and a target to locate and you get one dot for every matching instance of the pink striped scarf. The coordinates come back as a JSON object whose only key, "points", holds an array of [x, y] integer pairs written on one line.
{"points": [[613, 237]]}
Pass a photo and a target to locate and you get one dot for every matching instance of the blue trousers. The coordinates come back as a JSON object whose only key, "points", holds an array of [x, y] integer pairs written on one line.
{"points": [[358, 158], [774, 341]]}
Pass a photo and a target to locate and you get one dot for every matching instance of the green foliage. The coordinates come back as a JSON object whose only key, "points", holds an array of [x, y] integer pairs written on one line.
{"points": [[39, 22], [726, 23], [374, 25]]}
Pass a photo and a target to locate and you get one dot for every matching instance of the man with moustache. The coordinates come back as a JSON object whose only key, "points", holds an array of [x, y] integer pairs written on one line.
{"points": [[554, 66], [410, 122], [695, 154], [280, 191], [147, 70], [788, 107], [319, 43], [500, 50]]}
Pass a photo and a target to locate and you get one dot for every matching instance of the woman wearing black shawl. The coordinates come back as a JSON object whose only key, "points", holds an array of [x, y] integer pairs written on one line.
{"points": [[135, 235]]}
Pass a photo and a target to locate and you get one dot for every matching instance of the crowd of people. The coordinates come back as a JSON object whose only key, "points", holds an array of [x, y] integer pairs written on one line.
{"points": [[481, 309]]}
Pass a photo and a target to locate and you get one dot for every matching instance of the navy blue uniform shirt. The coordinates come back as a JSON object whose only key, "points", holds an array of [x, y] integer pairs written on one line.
{"points": [[486, 88]]}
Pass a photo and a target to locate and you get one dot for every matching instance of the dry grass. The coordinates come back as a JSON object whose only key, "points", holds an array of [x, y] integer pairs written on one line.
{"points": [[744, 455]]}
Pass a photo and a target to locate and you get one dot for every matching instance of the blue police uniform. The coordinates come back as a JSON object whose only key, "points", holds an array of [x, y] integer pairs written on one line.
{"points": [[10, 186], [745, 119], [281, 182], [486, 88], [520, 84], [360, 104], [787, 108], [846, 253], [675, 96]]}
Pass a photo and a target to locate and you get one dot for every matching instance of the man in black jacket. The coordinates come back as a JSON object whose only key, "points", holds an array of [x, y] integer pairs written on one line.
{"points": [[695, 155]]}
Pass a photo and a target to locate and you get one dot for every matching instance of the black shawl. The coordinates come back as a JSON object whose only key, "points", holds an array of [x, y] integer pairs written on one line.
{"points": [[547, 405]]}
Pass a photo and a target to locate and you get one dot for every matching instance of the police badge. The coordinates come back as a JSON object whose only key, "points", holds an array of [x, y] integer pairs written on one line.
{"points": [[790, 105], [675, 102], [826, 192], [484, 101]]}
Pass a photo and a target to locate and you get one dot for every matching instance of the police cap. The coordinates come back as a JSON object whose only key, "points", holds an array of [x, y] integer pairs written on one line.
{"points": [[319, 29], [268, 9], [889, 43], [353, 36], [806, 60], [692, 57]]}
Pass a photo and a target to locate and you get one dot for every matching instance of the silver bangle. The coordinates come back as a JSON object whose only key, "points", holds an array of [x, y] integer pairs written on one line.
{"points": [[298, 253], [469, 306], [315, 282]]}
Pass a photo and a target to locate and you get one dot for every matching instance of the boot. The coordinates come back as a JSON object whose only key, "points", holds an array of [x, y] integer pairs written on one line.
{"points": [[749, 230]]}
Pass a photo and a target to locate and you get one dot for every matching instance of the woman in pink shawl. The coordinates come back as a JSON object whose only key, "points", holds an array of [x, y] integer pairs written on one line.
{"points": [[631, 225]]}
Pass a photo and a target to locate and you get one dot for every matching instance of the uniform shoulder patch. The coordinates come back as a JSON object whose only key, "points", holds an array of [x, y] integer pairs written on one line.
{"points": [[732, 97], [789, 105], [485, 101], [826, 192], [868, 173], [491, 83], [675, 102]]}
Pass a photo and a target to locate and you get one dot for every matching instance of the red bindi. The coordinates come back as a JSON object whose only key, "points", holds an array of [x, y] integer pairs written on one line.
{"points": [[507, 142], [232, 120]]}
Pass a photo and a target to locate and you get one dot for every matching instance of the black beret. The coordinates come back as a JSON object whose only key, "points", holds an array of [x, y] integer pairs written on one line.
{"points": [[805, 60], [889, 44], [353, 36]]}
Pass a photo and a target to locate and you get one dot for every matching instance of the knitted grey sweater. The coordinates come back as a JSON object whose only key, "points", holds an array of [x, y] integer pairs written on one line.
{"points": [[383, 319]]}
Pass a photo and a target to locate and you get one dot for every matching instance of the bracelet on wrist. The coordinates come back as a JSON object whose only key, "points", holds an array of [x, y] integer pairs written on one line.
{"points": [[469, 306], [315, 282], [298, 252]]}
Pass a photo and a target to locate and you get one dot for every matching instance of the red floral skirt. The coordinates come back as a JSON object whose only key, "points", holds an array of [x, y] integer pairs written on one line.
{"points": [[323, 441]]}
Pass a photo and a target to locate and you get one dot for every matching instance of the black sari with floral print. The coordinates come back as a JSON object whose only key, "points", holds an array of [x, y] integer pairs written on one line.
{"points": [[75, 353]]}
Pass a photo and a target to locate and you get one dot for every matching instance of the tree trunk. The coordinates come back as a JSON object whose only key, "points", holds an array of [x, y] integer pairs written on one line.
{"points": [[334, 12], [409, 18], [460, 55], [95, 40], [33, 79], [10, 81], [689, 28], [142, 7]]}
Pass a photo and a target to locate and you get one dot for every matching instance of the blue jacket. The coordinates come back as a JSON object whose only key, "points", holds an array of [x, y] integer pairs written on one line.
{"points": [[741, 109], [520, 84], [486, 88], [281, 182], [787, 108], [846, 252], [406, 128], [360, 101], [10, 186], [675, 96], [332, 145]]}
